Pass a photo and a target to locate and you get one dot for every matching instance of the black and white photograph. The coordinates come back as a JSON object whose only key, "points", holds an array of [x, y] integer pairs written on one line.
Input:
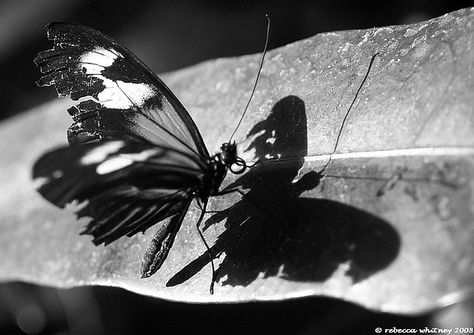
{"points": [[236, 167]]}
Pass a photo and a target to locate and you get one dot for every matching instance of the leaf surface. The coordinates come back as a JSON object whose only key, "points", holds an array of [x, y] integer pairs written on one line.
{"points": [[388, 225]]}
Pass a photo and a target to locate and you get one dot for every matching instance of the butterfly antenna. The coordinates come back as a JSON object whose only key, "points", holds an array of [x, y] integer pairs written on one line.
{"points": [[347, 113], [256, 79]]}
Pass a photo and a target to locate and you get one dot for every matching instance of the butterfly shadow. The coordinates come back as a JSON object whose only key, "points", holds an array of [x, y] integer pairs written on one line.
{"points": [[272, 231]]}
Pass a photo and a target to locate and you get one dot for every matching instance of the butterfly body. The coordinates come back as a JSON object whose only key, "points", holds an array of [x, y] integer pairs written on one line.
{"points": [[136, 157]]}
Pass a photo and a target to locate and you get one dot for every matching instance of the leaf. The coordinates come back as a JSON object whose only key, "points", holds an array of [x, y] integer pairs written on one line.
{"points": [[389, 226]]}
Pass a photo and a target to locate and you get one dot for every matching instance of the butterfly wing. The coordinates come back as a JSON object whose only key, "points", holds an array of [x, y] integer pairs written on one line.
{"points": [[119, 96], [124, 186]]}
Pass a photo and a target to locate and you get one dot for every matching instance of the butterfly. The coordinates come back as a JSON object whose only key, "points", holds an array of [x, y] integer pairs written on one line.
{"points": [[136, 158]]}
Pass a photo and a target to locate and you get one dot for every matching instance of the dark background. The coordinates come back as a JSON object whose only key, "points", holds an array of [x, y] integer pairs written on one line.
{"points": [[169, 35]]}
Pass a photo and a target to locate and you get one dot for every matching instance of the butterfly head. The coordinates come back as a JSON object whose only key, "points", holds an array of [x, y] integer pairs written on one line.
{"points": [[228, 154], [229, 158]]}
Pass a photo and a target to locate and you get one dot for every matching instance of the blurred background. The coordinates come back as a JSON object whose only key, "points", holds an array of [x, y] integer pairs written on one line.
{"points": [[169, 35]]}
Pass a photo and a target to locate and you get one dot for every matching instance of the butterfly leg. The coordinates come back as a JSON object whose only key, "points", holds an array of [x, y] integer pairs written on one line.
{"points": [[203, 206], [244, 196], [249, 199]]}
